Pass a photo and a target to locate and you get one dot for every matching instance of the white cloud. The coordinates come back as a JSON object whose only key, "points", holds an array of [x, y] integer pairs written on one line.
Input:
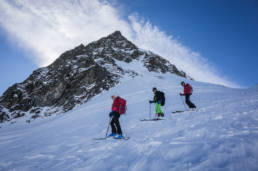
{"points": [[46, 28], [150, 37]]}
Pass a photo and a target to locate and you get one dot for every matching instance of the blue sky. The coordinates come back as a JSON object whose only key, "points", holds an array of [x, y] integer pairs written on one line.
{"points": [[15, 65], [223, 34]]}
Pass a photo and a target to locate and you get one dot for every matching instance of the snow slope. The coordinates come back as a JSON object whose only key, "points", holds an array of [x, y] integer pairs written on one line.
{"points": [[221, 135]]}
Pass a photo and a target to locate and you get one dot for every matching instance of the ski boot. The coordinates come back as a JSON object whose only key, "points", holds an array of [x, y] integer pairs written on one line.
{"points": [[112, 135], [119, 136], [160, 114]]}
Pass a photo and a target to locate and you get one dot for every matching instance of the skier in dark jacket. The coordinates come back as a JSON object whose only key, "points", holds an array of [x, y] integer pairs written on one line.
{"points": [[157, 100], [115, 125], [187, 93]]}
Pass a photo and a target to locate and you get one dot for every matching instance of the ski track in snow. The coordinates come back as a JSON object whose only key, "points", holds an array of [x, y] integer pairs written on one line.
{"points": [[221, 135]]}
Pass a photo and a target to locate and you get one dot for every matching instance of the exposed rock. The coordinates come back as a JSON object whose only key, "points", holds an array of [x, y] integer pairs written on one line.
{"points": [[76, 76], [3, 115]]}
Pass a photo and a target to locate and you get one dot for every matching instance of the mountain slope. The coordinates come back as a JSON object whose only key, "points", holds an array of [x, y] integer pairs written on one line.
{"points": [[78, 75], [222, 135]]}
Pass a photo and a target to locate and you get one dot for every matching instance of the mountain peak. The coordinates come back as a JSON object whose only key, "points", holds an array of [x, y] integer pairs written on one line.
{"points": [[116, 33], [78, 75], [117, 36]]}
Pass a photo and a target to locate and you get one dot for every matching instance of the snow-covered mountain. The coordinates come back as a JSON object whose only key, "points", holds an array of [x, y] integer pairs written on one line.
{"points": [[78, 75], [221, 135]]}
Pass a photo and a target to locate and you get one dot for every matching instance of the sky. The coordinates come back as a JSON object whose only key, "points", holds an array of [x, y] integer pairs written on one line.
{"points": [[212, 41]]}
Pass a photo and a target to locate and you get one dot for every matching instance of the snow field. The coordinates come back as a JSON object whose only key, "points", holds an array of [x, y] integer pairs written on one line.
{"points": [[221, 135]]}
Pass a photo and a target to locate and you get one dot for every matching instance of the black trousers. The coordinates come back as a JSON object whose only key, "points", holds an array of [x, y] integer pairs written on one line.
{"points": [[115, 125], [188, 102]]}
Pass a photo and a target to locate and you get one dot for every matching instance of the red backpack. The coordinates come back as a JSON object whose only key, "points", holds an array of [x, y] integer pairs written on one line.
{"points": [[122, 105]]}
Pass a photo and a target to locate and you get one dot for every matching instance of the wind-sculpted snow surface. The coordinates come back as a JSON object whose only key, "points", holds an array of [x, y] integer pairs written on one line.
{"points": [[221, 135]]}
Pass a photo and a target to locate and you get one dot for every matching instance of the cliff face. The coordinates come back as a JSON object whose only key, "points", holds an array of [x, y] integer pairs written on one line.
{"points": [[76, 76]]}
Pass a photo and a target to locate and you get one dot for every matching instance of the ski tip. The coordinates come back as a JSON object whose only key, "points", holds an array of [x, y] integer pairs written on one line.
{"points": [[124, 138], [154, 119], [178, 111]]}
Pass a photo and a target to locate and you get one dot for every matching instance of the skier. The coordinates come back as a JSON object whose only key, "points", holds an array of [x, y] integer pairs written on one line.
{"points": [[115, 125], [158, 95], [187, 93]]}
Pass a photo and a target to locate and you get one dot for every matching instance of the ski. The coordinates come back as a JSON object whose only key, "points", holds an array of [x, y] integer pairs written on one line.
{"points": [[124, 138], [154, 119], [181, 111], [106, 138], [103, 138]]}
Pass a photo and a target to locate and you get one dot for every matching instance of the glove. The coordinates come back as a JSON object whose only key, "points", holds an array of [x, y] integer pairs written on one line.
{"points": [[181, 94], [111, 114], [150, 101]]}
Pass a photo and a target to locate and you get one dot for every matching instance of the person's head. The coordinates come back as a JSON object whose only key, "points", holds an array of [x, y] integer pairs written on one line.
{"points": [[113, 97], [154, 89], [183, 83]]}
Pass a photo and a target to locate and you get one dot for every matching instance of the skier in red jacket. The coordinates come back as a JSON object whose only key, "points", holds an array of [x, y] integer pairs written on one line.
{"points": [[115, 125], [187, 93]]}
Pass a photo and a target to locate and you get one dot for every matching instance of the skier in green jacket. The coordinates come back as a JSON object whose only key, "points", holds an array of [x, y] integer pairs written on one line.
{"points": [[157, 100]]}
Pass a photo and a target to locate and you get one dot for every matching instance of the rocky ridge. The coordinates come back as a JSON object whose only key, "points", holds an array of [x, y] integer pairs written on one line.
{"points": [[76, 76]]}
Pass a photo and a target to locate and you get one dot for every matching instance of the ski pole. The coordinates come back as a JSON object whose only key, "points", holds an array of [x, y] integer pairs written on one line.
{"points": [[108, 125], [183, 102], [150, 111]]}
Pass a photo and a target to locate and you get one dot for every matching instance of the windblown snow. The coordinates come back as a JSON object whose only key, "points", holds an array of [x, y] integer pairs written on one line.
{"points": [[221, 135]]}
